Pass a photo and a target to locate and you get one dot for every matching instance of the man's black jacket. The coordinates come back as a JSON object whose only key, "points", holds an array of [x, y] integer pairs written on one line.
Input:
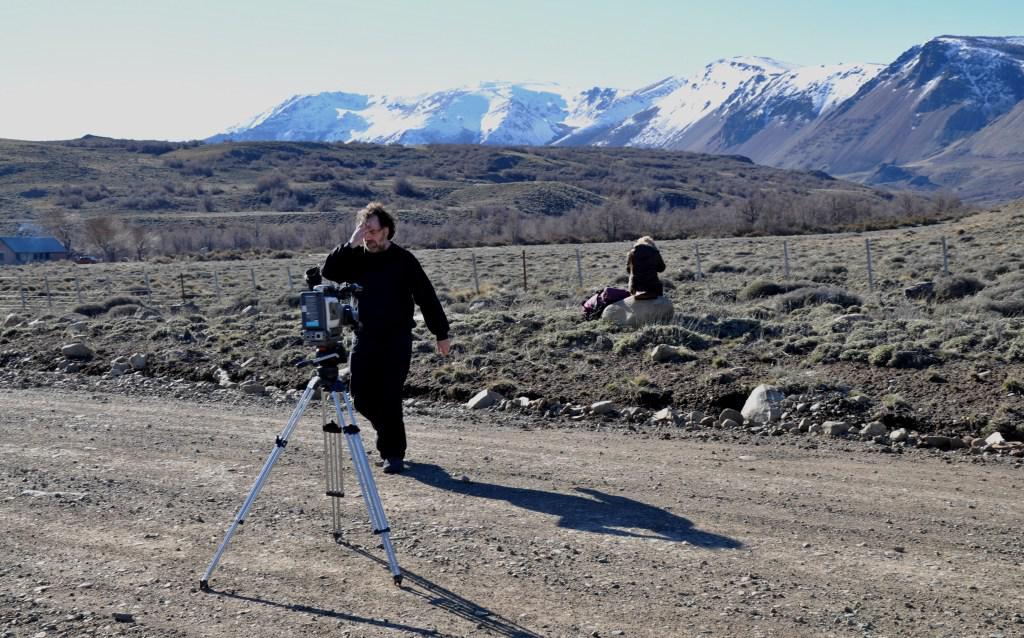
{"points": [[392, 280]]}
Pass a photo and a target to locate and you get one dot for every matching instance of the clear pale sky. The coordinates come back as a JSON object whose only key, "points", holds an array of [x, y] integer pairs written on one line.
{"points": [[186, 69]]}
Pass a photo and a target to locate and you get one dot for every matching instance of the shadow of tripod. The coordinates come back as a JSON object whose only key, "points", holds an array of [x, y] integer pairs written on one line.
{"points": [[338, 615], [451, 602]]}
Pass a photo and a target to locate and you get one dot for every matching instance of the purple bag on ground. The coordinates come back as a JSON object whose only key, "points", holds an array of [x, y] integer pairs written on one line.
{"points": [[595, 304]]}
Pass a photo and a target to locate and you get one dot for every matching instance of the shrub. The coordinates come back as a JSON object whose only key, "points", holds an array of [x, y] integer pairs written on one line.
{"points": [[1015, 349], [581, 337], [881, 355], [273, 181], [89, 309], [956, 287], [126, 310], [1013, 384], [120, 301], [830, 275], [655, 334], [759, 289], [403, 187], [914, 359], [802, 297]]}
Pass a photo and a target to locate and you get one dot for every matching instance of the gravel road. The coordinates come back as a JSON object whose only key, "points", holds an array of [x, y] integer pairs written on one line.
{"points": [[113, 505]]}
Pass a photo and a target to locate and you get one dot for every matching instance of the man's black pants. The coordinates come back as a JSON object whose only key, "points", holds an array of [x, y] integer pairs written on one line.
{"points": [[379, 365]]}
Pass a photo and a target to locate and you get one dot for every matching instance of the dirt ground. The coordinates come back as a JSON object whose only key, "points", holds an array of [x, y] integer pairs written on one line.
{"points": [[112, 506]]}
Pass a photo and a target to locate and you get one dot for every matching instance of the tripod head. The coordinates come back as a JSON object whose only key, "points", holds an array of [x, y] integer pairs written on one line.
{"points": [[327, 358]]}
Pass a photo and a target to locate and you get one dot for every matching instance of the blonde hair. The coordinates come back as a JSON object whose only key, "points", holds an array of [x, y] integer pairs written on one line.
{"points": [[646, 240]]}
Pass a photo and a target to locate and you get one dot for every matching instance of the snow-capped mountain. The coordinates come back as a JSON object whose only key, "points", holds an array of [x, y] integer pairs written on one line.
{"points": [[933, 96], [491, 113], [538, 114], [726, 106], [846, 119]]}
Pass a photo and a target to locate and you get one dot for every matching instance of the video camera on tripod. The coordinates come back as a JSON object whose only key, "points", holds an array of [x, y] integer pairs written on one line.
{"points": [[327, 309]]}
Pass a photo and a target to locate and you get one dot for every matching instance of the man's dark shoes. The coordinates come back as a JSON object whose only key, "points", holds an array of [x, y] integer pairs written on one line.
{"points": [[394, 465]]}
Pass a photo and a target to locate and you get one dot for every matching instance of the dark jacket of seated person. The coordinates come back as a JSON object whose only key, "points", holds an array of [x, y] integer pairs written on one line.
{"points": [[643, 264]]}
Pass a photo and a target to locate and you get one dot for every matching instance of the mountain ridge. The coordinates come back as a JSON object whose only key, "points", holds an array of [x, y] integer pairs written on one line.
{"points": [[850, 120]]}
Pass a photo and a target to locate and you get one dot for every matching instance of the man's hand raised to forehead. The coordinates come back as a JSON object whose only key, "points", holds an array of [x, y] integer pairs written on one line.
{"points": [[357, 235]]}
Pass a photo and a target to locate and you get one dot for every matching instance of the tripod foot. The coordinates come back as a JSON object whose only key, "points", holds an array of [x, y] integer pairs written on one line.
{"points": [[204, 585], [398, 580]]}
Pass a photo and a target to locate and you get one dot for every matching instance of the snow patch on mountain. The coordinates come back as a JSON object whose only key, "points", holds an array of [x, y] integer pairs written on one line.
{"points": [[702, 94]]}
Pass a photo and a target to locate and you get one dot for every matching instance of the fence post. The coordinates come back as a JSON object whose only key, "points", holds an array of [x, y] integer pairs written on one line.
{"points": [[149, 289], [524, 271], [181, 278], [785, 260], [945, 257], [252, 273], [871, 272], [288, 270], [78, 290], [696, 251], [579, 267], [216, 285], [21, 288], [476, 280], [46, 283]]}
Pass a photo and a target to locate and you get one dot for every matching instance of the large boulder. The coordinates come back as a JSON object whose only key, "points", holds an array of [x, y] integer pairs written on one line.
{"points": [[484, 399], [76, 350], [633, 313], [764, 405]]}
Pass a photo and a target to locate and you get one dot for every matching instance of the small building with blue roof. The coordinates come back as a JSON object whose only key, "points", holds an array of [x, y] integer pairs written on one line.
{"points": [[23, 250]]}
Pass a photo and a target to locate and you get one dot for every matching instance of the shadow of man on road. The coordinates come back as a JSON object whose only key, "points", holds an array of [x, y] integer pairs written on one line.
{"points": [[591, 511]]}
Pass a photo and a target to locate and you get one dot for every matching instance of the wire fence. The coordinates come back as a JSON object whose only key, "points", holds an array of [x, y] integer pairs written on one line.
{"points": [[59, 287], [163, 286]]}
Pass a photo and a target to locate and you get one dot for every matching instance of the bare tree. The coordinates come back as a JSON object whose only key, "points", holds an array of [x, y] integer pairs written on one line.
{"points": [[104, 232], [139, 240], [612, 219], [64, 226]]}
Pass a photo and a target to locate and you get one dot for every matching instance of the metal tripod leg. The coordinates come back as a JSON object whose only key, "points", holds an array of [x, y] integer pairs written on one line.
{"points": [[333, 462], [279, 445], [367, 485]]}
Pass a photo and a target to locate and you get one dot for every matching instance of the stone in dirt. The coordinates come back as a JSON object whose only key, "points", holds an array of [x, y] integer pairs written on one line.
{"points": [[764, 405], [633, 313], [665, 415], [729, 414], [994, 439], [835, 428], [77, 350], [484, 399], [138, 361], [875, 428], [602, 407], [663, 353]]}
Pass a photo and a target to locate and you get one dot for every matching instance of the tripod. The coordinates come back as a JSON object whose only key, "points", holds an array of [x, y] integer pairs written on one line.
{"points": [[326, 380]]}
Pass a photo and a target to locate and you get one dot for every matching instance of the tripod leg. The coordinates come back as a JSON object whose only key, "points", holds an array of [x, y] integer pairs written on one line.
{"points": [[333, 465], [279, 445], [367, 485]]}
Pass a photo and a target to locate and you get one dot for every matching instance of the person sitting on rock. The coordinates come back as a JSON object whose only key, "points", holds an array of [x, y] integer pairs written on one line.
{"points": [[643, 264]]}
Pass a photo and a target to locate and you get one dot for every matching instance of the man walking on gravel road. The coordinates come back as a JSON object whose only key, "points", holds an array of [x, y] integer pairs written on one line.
{"points": [[392, 281]]}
